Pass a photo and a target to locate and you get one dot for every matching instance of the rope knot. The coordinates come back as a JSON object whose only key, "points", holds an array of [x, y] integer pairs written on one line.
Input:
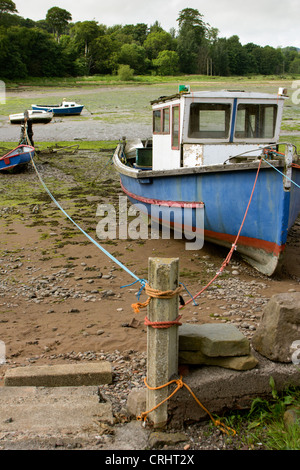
{"points": [[155, 294]]}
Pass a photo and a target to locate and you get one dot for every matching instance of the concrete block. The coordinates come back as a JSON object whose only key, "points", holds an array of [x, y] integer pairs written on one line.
{"points": [[62, 375], [42, 412], [229, 362], [213, 340]]}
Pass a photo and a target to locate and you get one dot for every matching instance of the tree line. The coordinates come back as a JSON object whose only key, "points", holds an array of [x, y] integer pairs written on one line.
{"points": [[57, 47]]}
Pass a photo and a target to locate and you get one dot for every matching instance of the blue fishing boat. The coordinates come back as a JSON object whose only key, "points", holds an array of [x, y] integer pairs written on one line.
{"points": [[18, 156], [212, 153], [66, 108]]}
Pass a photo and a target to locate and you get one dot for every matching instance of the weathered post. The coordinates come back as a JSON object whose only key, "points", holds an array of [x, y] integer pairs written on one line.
{"points": [[289, 151], [162, 343]]}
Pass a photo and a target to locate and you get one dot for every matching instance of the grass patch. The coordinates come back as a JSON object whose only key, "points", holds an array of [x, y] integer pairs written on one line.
{"points": [[293, 139], [93, 145], [107, 80], [264, 424]]}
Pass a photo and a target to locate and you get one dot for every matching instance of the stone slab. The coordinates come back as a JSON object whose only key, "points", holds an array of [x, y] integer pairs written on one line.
{"points": [[59, 375], [220, 390], [229, 362], [33, 410], [213, 340]]}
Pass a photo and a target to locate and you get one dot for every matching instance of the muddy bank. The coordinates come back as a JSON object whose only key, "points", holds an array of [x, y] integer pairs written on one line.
{"points": [[62, 300], [75, 129], [60, 295]]}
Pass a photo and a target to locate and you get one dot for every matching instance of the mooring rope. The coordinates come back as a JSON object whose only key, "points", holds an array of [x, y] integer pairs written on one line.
{"points": [[155, 294], [293, 165], [233, 247], [180, 384], [113, 258], [143, 282]]}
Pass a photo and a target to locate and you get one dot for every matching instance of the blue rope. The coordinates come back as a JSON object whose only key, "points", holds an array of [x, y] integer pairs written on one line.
{"points": [[281, 173], [115, 260], [194, 302]]}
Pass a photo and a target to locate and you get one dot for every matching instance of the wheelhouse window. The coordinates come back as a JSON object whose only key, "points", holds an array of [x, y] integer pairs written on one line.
{"points": [[209, 121], [255, 121], [161, 121], [175, 127], [166, 120]]}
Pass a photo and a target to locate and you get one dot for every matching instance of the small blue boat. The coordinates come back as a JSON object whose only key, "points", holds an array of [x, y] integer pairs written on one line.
{"points": [[19, 156], [66, 108], [203, 158]]}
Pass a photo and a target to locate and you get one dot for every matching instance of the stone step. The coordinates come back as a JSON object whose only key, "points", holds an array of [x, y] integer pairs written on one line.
{"points": [[213, 340], [32, 410], [61, 375]]}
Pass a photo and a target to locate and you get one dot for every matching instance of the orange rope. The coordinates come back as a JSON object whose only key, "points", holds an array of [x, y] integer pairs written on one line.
{"points": [[162, 324], [294, 165], [155, 294], [233, 247], [181, 384]]}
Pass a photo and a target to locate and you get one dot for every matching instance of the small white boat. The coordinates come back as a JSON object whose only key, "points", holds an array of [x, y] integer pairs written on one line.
{"points": [[66, 108], [36, 116], [18, 156]]}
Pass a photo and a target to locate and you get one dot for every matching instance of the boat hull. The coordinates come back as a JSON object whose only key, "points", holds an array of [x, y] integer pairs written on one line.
{"points": [[37, 117], [19, 156], [61, 111], [225, 195]]}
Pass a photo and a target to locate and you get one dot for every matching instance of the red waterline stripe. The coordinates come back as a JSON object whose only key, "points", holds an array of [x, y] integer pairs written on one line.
{"points": [[269, 247], [158, 202]]}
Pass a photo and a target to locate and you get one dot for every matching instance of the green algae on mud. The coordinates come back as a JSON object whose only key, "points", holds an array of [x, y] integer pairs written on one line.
{"points": [[93, 145]]}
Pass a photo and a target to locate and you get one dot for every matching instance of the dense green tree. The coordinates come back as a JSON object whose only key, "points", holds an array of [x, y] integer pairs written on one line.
{"points": [[271, 61], [58, 19], [289, 55], [219, 56], [155, 27], [192, 33], [157, 42], [54, 46], [237, 56], [11, 63], [30, 51], [104, 53], [7, 13], [7, 6], [84, 33], [140, 33], [295, 66], [167, 63], [134, 56]]}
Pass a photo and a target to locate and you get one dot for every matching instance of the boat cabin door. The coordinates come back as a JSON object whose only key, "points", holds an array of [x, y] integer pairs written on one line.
{"points": [[166, 136]]}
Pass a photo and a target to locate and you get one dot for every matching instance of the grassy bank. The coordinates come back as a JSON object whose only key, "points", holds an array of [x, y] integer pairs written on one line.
{"points": [[143, 79], [270, 423], [97, 146], [110, 145]]}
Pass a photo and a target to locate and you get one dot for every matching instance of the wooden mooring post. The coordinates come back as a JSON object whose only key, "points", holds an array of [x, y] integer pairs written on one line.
{"points": [[162, 343]]}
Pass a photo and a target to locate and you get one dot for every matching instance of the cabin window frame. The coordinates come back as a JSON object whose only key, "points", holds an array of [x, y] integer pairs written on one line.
{"points": [[209, 111], [175, 147], [206, 140], [259, 120], [163, 130]]}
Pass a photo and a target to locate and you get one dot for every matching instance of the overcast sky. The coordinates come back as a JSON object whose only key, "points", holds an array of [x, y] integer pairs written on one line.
{"points": [[263, 22]]}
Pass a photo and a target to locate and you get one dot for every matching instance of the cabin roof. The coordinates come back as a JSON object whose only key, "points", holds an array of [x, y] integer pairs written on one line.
{"points": [[218, 94]]}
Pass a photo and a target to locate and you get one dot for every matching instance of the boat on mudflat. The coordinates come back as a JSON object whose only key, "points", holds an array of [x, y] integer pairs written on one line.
{"points": [[206, 150], [18, 156], [36, 116], [66, 108]]}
